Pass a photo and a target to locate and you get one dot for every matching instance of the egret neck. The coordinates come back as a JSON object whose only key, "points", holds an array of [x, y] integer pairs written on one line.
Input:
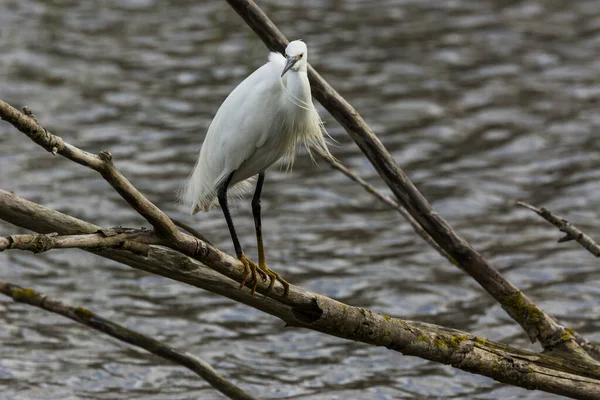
{"points": [[298, 88]]}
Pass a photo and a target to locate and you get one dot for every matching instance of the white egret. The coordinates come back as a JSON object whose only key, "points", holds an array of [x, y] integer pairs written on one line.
{"points": [[260, 121]]}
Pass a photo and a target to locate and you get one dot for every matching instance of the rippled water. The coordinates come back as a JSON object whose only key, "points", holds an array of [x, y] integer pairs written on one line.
{"points": [[481, 102]]}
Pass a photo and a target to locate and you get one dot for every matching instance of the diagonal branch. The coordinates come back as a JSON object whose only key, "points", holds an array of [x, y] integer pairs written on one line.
{"points": [[95, 321], [336, 164], [538, 325], [194, 232], [572, 232], [566, 375], [101, 163]]}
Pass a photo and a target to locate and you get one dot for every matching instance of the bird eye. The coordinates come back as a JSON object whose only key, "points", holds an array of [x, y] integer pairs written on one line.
{"points": [[301, 55]]}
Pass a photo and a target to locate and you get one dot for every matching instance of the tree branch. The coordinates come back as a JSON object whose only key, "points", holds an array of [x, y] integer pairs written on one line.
{"points": [[567, 375], [537, 324], [102, 163], [336, 164], [135, 241], [191, 230], [94, 321], [572, 232]]}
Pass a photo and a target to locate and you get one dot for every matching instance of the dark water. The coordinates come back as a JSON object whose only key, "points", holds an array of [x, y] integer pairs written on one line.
{"points": [[481, 102]]}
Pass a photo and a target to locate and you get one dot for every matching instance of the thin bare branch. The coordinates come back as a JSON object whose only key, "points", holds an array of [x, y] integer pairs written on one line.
{"points": [[536, 323], [102, 163], [95, 321], [136, 241], [336, 164], [192, 231], [572, 232], [567, 375]]}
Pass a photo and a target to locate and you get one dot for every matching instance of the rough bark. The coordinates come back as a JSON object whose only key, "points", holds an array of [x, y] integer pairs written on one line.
{"points": [[134, 241]]}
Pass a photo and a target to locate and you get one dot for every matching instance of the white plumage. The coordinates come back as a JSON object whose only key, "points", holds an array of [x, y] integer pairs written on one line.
{"points": [[261, 121]]}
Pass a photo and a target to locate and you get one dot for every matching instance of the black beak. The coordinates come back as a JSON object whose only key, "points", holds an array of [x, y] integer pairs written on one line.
{"points": [[289, 64]]}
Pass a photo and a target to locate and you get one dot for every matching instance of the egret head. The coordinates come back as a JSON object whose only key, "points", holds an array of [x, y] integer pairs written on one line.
{"points": [[296, 54]]}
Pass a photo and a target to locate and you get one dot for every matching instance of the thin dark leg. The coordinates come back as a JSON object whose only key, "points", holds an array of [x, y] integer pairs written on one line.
{"points": [[250, 268], [222, 195], [262, 262]]}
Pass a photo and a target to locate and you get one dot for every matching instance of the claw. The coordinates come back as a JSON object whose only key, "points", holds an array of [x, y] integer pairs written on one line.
{"points": [[262, 274], [250, 270], [275, 276], [247, 270]]}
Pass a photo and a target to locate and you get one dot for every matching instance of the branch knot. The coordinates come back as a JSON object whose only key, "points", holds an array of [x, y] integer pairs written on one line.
{"points": [[42, 243], [105, 156]]}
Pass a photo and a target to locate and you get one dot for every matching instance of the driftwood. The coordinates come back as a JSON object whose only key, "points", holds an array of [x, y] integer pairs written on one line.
{"points": [[567, 366]]}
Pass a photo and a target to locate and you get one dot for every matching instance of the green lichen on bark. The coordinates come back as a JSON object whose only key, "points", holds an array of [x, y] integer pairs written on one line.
{"points": [[481, 341], [524, 312], [439, 342], [24, 295], [455, 341], [443, 341], [423, 338], [84, 313], [41, 244], [568, 334]]}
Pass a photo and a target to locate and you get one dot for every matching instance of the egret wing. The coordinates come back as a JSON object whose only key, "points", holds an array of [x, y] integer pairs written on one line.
{"points": [[241, 125], [246, 118]]}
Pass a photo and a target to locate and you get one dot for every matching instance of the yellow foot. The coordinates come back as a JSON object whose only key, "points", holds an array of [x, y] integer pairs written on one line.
{"points": [[275, 276], [250, 270]]}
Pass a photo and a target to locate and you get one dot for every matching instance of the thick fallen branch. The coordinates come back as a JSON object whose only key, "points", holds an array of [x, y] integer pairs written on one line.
{"points": [[572, 232], [160, 260], [94, 321], [537, 324], [567, 376]]}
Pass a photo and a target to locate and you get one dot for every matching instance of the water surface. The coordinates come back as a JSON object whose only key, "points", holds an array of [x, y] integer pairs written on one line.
{"points": [[481, 103]]}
